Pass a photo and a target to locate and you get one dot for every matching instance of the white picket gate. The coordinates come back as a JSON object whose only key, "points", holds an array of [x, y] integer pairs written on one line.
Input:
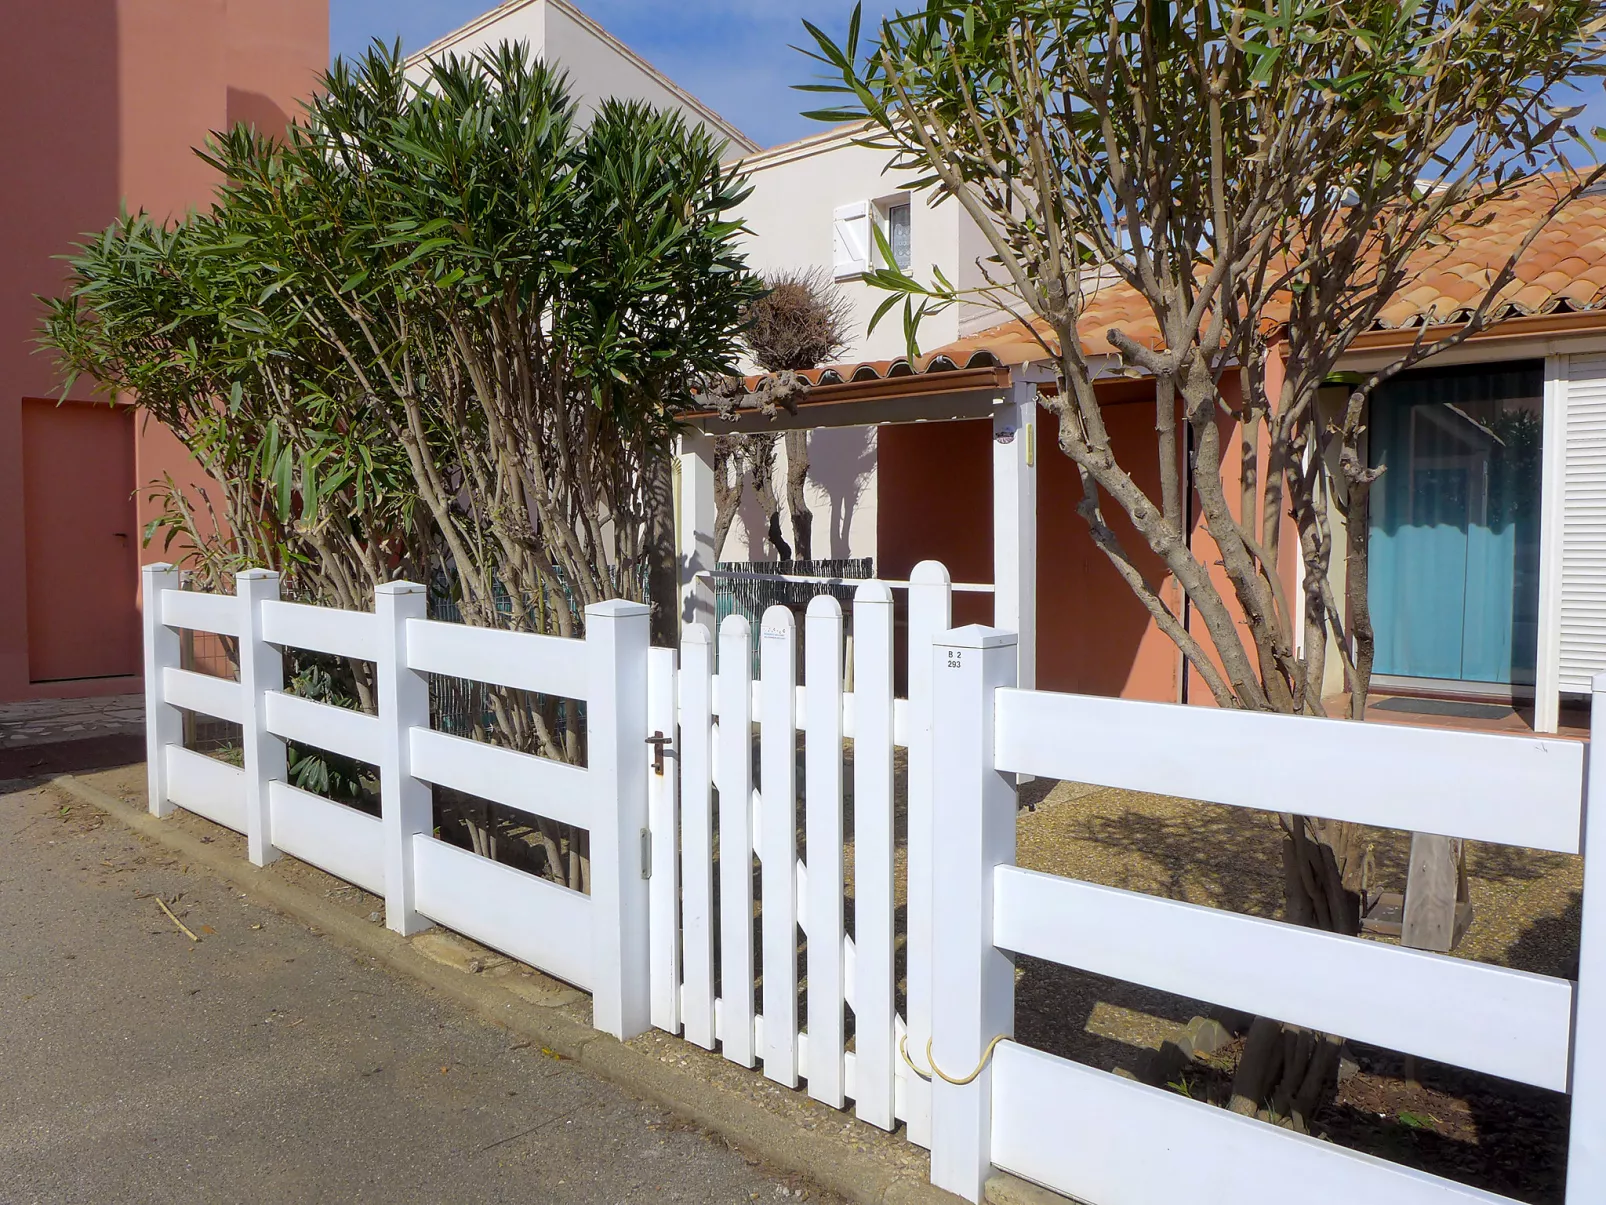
{"points": [[844, 974], [1115, 1142], [712, 934]]}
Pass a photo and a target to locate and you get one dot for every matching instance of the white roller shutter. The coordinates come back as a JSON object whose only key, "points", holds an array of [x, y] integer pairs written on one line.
{"points": [[850, 239], [1583, 555]]}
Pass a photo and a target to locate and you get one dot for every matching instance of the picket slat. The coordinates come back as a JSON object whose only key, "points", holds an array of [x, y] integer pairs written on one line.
{"points": [[850, 711], [871, 1067], [930, 609], [734, 697], [663, 887], [822, 646], [697, 835], [777, 841]]}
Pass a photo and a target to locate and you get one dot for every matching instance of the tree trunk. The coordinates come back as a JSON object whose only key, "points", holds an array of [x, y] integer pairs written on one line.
{"points": [[729, 462], [1287, 1072], [797, 473], [762, 459]]}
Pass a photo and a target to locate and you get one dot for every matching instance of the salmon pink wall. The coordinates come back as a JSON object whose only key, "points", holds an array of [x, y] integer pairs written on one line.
{"points": [[1093, 635], [149, 80], [934, 483]]}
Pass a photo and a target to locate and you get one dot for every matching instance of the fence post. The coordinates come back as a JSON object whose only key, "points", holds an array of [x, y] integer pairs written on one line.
{"points": [[406, 805], [973, 982], [261, 670], [930, 612], [617, 640], [164, 723], [663, 819], [1586, 1148]]}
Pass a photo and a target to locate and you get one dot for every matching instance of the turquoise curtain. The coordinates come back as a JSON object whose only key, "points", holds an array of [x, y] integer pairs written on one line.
{"points": [[1455, 523]]}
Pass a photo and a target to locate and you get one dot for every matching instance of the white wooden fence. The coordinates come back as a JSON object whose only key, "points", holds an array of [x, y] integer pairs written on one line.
{"points": [[666, 935], [1115, 1142], [597, 941]]}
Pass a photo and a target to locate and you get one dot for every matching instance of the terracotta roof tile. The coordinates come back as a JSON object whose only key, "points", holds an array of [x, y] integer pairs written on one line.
{"points": [[1564, 268]]}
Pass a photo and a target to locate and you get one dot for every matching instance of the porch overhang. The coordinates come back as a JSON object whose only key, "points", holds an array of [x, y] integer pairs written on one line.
{"points": [[934, 389]]}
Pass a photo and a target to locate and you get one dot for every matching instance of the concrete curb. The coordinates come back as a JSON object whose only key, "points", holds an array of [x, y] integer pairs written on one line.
{"points": [[1005, 1189], [829, 1160]]}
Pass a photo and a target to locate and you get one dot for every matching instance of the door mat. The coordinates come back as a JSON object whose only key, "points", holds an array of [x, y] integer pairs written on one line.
{"points": [[1447, 707]]}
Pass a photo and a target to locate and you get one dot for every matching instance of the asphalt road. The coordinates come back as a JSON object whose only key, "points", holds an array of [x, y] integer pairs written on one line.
{"points": [[265, 1064]]}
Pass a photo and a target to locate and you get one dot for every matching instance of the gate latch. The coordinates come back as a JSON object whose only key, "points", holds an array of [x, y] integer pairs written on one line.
{"points": [[658, 740]]}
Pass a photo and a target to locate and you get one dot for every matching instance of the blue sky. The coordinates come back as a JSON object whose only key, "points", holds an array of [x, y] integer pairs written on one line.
{"points": [[734, 55]]}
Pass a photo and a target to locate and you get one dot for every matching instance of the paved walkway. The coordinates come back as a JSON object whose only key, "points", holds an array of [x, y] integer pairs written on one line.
{"points": [[52, 736], [46, 721], [264, 1064]]}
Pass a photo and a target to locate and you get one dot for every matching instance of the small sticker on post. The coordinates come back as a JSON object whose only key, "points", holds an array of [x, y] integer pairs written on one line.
{"points": [[956, 658]]}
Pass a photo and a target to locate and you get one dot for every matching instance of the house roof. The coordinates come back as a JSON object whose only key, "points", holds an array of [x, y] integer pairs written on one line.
{"points": [[1563, 272], [908, 386]]}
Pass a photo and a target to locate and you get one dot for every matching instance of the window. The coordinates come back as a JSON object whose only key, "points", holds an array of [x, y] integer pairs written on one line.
{"points": [[898, 234]]}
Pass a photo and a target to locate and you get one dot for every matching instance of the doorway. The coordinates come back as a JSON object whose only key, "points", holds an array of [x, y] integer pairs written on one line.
{"points": [[80, 540], [1455, 525]]}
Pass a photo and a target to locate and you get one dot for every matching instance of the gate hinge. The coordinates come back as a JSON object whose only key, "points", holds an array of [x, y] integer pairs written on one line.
{"points": [[646, 853]]}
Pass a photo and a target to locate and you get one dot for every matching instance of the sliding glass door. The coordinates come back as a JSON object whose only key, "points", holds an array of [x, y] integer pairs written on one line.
{"points": [[1455, 523]]}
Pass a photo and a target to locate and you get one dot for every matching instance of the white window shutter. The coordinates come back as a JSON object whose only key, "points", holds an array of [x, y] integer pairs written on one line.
{"points": [[850, 239], [1583, 555]]}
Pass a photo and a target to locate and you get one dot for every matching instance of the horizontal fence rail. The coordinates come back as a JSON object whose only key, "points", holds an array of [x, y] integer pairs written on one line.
{"points": [[1507, 1023], [537, 786], [1096, 1137], [351, 634], [521, 660], [1421, 780]]}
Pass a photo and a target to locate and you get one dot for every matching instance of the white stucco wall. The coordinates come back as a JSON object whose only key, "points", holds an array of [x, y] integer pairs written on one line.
{"points": [[797, 188], [598, 64], [841, 493]]}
